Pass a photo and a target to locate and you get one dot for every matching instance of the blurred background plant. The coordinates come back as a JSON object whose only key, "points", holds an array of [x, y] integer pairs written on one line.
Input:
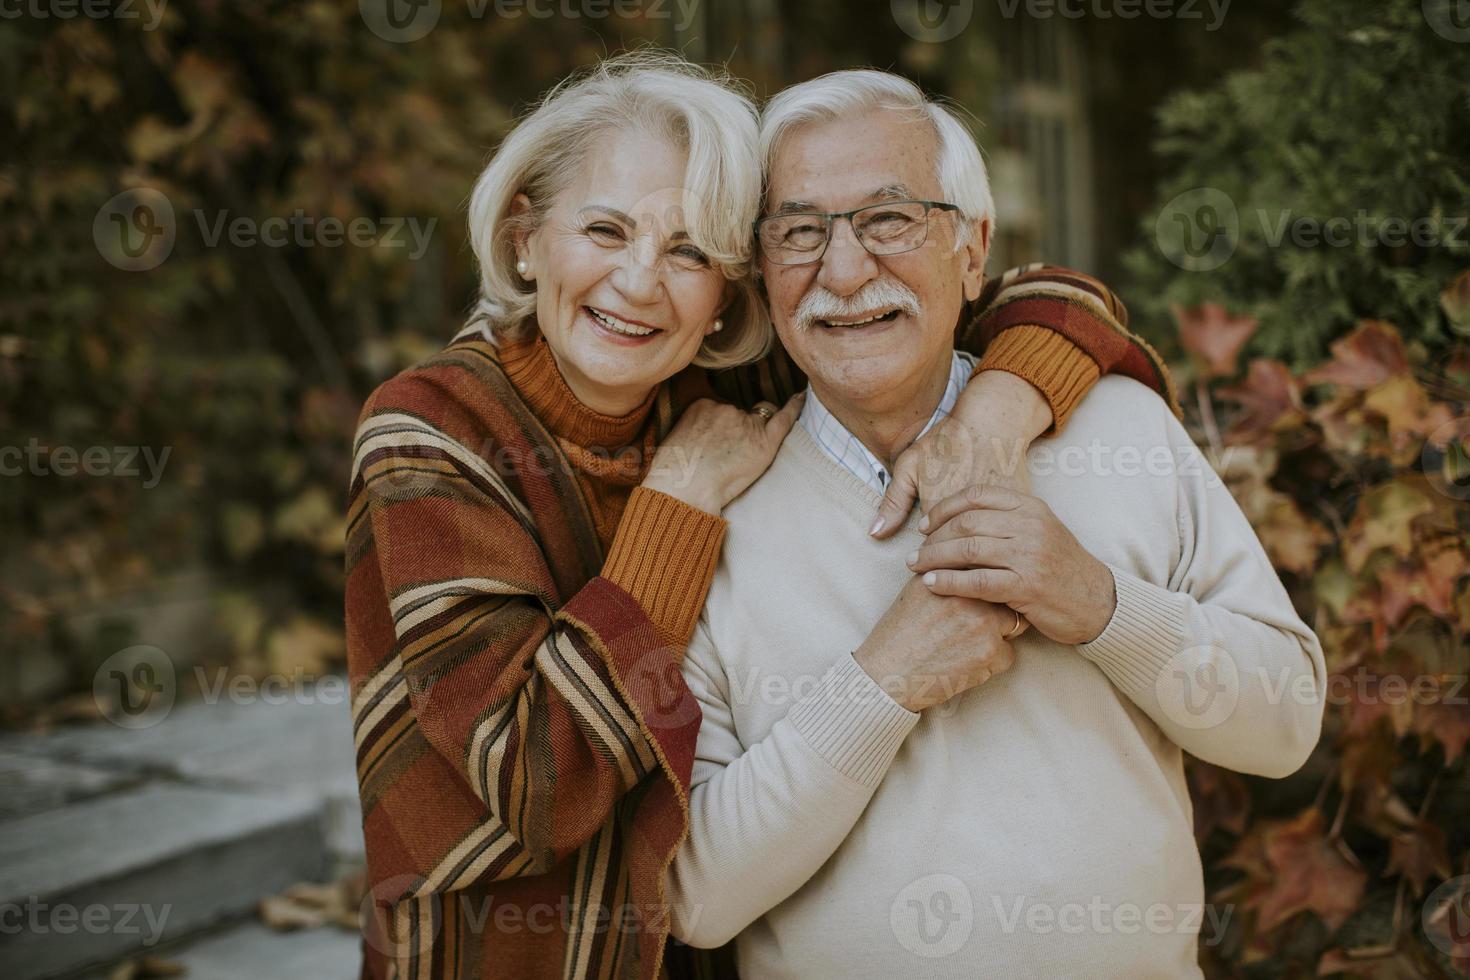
{"points": [[1330, 383]]}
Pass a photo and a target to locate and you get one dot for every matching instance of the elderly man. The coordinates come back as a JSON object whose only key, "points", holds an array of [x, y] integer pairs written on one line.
{"points": [[875, 794]]}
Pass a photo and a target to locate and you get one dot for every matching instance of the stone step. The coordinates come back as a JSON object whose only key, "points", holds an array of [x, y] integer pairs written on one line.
{"points": [[291, 737], [99, 879], [250, 951]]}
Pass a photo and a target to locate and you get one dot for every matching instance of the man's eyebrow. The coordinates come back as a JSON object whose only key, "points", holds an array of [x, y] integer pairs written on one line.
{"points": [[797, 207], [891, 192]]}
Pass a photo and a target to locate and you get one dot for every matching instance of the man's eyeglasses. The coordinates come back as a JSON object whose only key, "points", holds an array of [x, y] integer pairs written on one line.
{"points": [[882, 229]]}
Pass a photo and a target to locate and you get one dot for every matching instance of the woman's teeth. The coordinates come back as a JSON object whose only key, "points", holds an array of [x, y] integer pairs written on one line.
{"points": [[619, 326]]}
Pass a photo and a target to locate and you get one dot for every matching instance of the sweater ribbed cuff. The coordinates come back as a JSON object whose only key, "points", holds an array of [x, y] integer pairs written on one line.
{"points": [[852, 722], [664, 555], [1061, 370], [1146, 631]]}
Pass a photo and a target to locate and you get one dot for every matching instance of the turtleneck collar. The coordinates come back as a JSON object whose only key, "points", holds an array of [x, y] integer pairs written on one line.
{"points": [[532, 368]]}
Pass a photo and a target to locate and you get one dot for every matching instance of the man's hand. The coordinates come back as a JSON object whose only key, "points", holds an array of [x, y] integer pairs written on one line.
{"points": [[983, 441], [1003, 546], [928, 648]]}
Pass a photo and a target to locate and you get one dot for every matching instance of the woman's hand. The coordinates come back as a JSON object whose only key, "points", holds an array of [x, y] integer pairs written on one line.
{"points": [[984, 441], [716, 451]]}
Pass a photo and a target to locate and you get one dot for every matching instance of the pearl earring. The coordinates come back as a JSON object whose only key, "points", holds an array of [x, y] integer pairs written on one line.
{"points": [[521, 267], [719, 325]]}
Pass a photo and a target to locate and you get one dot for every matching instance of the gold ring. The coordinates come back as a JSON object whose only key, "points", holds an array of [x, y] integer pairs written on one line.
{"points": [[764, 412], [1014, 629]]}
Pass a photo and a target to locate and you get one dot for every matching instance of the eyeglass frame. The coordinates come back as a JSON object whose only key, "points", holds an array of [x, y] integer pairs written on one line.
{"points": [[831, 218]]}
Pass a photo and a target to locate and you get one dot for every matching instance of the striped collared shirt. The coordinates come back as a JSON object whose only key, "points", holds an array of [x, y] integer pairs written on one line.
{"points": [[849, 452]]}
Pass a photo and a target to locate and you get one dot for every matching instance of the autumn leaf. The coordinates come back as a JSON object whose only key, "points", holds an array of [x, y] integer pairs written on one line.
{"points": [[1428, 581], [1310, 873], [1455, 301], [1220, 799], [1410, 414], [1213, 336], [1270, 396], [1445, 722], [1384, 519], [1368, 356], [1418, 853], [1373, 962]]}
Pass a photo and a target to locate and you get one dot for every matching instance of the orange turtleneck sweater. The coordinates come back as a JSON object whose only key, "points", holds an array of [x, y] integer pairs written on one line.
{"points": [[659, 550]]}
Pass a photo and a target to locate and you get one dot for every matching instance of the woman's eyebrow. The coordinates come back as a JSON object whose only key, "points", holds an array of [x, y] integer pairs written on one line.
{"points": [[624, 218], [610, 212]]}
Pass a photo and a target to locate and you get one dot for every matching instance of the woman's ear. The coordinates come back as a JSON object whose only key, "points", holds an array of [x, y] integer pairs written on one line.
{"points": [[976, 250], [520, 235], [726, 298]]}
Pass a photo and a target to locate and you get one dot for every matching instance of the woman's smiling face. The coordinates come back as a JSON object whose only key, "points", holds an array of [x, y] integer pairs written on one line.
{"points": [[623, 296]]}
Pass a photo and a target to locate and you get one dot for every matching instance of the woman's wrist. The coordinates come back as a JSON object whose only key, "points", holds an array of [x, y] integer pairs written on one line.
{"points": [[998, 401]]}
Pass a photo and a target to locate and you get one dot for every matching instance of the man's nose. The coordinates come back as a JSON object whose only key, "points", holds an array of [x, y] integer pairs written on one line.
{"points": [[846, 265]]}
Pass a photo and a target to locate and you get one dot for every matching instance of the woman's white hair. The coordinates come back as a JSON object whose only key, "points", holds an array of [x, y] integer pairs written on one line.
{"points": [[702, 112], [961, 169]]}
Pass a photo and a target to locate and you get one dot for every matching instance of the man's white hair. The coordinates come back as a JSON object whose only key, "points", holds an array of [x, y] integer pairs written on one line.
{"points": [[960, 168]]}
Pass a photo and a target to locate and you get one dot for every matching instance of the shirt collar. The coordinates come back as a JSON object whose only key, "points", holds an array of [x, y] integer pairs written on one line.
{"points": [[847, 451]]}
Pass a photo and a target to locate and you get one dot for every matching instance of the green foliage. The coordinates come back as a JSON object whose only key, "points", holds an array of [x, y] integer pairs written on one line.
{"points": [[1358, 117]]}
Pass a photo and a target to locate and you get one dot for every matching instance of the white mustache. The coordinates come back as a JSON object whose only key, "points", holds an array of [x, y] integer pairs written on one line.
{"points": [[881, 294]]}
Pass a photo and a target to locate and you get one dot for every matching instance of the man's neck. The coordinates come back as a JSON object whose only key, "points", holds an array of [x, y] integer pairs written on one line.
{"points": [[888, 423]]}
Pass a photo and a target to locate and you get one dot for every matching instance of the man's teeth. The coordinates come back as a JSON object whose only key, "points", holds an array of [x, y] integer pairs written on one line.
{"points": [[619, 326], [859, 323]]}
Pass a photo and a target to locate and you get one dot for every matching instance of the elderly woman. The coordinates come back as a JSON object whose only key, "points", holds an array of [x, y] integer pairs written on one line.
{"points": [[535, 519]]}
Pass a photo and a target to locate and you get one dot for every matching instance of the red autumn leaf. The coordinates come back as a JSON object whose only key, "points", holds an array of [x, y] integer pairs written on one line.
{"points": [[1374, 962], [1270, 397], [1429, 582], [1418, 853], [1447, 723], [1368, 356], [1221, 799], [1309, 873], [1213, 336]]}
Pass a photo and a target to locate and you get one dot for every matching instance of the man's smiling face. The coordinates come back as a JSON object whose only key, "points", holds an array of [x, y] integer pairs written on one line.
{"points": [[898, 312]]}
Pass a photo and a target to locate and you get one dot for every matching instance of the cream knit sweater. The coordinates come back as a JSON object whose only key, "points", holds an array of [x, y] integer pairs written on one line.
{"points": [[1037, 826]]}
